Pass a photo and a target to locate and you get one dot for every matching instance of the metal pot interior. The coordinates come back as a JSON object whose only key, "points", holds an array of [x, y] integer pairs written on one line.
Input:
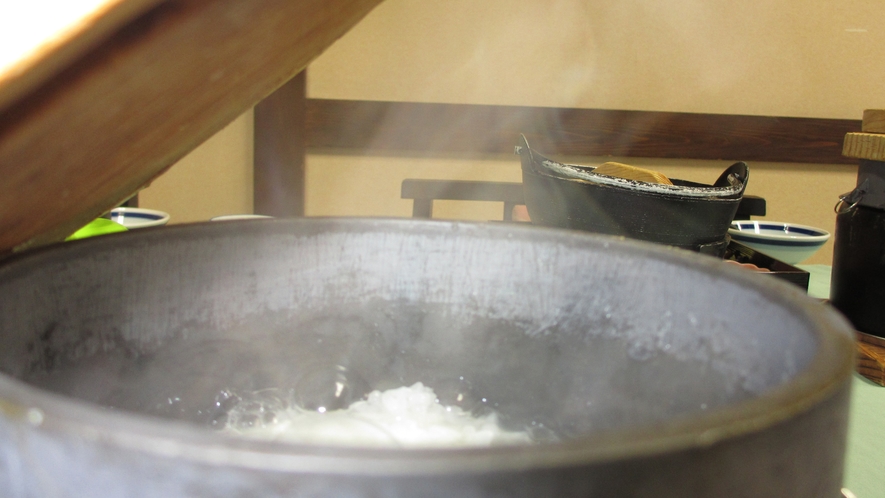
{"points": [[563, 334]]}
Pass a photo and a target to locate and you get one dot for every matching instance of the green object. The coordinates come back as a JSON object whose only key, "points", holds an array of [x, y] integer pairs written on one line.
{"points": [[100, 226]]}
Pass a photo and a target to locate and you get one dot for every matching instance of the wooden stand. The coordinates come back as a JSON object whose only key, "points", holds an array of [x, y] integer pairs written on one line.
{"points": [[871, 357]]}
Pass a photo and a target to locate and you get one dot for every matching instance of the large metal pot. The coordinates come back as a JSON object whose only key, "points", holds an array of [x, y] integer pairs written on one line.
{"points": [[659, 372]]}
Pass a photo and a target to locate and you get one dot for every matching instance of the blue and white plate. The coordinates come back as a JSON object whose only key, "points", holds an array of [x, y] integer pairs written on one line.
{"points": [[238, 217], [787, 242], [139, 217]]}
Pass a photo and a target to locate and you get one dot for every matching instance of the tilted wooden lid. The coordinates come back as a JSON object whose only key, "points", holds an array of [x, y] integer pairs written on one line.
{"points": [[97, 109]]}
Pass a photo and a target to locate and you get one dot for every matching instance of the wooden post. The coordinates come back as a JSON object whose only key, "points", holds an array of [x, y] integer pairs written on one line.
{"points": [[279, 150]]}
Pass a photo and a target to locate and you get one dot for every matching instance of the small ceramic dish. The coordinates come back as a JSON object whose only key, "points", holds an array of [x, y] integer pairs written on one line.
{"points": [[236, 217], [139, 217], [787, 242]]}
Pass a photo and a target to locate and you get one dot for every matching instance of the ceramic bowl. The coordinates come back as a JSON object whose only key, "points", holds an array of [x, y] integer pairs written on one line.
{"points": [[787, 242], [238, 217], [139, 217]]}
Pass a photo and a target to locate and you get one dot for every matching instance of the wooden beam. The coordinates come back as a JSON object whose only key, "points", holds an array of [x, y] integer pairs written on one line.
{"points": [[372, 127], [279, 151], [123, 111], [51, 45]]}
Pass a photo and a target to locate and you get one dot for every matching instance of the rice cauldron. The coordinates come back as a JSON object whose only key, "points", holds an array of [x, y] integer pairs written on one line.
{"points": [[641, 370]]}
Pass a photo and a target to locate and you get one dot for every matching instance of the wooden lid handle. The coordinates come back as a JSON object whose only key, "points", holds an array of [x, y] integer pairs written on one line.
{"points": [[870, 142], [873, 121]]}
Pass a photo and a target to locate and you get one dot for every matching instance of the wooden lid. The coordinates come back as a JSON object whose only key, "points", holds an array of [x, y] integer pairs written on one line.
{"points": [[632, 173], [864, 146], [101, 106], [870, 142]]}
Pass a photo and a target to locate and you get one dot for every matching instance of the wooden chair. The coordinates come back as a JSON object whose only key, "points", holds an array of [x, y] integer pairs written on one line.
{"points": [[424, 192]]}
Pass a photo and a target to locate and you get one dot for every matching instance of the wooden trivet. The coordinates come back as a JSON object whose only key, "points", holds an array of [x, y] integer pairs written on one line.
{"points": [[871, 357]]}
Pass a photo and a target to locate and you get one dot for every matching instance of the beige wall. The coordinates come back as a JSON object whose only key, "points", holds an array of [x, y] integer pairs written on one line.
{"points": [[752, 57], [213, 180], [816, 59]]}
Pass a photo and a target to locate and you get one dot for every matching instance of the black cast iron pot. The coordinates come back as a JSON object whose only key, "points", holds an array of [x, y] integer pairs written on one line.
{"points": [[687, 215], [641, 370]]}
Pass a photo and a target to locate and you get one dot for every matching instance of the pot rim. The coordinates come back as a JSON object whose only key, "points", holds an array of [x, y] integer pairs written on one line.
{"points": [[827, 373]]}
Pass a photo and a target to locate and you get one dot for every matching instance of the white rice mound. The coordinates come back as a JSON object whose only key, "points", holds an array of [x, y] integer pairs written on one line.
{"points": [[405, 417]]}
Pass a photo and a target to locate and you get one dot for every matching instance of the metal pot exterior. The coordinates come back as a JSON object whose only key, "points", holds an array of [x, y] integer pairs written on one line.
{"points": [[685, 214], [696, 224], [138, 293], [801, 457]]}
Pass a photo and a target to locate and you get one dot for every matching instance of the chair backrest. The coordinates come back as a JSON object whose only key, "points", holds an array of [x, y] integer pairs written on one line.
{"points": [[424, 192]]}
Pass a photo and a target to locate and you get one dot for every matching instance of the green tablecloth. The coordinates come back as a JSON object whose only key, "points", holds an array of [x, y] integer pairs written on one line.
{"points": [[865, 461]]}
